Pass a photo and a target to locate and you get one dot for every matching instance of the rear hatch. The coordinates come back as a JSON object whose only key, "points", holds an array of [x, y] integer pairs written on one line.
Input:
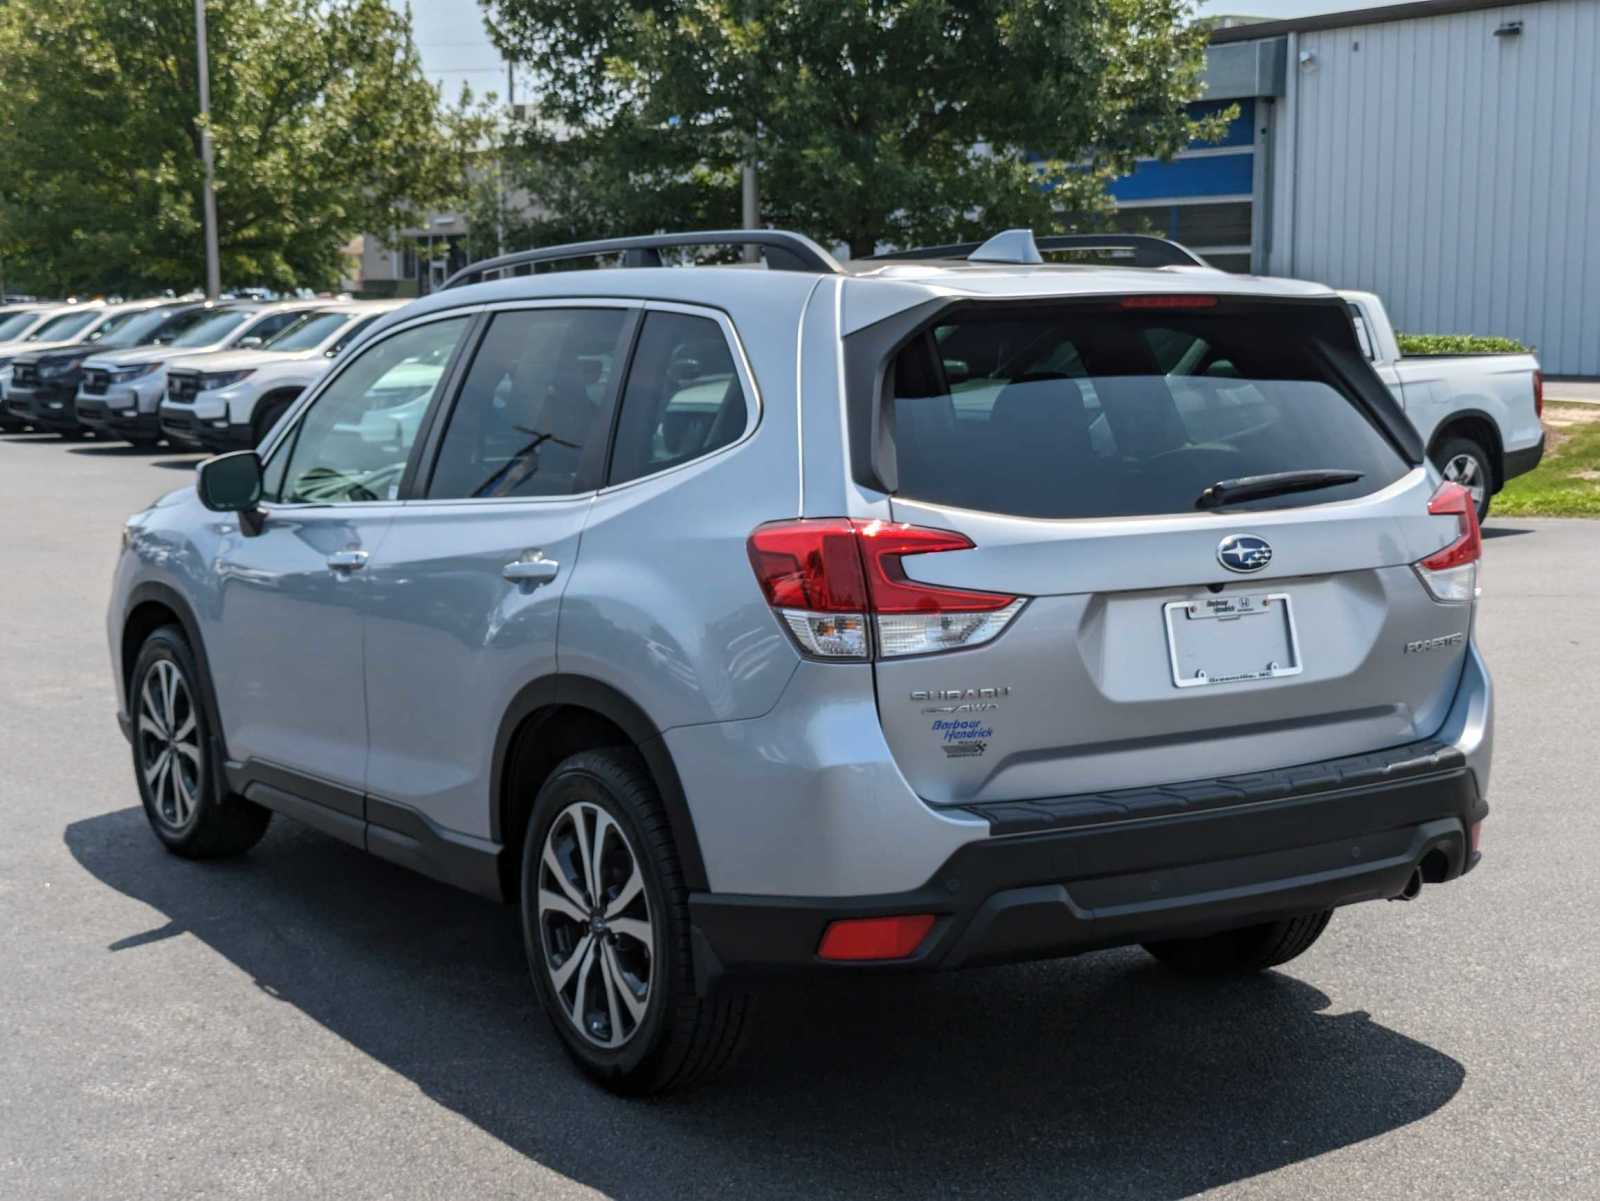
{"points": [[1177, 621]]}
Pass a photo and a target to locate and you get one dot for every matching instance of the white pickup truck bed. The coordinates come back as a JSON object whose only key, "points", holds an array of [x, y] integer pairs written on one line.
{"points": [[1478, 414]]}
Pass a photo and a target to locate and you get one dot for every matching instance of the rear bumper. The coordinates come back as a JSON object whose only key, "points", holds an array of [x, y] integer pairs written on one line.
{"points": [[1076, 875], [1520, 462]]}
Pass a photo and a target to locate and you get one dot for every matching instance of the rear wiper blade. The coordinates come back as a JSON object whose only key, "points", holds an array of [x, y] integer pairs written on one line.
{"points": [[1253, 487]]}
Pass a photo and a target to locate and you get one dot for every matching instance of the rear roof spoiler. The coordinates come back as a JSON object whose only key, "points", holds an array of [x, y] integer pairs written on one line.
{"points": [[1146, 250]]}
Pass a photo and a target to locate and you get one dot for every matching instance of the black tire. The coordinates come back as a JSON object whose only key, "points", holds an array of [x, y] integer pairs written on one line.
{"points": [[681, 1038], [1244, 951], [143, 443], [183, 804], [261, 424], [1458, 450]]}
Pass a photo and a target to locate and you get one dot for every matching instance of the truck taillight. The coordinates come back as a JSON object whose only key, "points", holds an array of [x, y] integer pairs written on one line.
{"points": [[839, 587], [1451, 573], [1538, 392]]}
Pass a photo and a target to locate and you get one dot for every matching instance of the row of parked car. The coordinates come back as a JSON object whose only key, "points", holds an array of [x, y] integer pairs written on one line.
{"points": [[200, 375]]}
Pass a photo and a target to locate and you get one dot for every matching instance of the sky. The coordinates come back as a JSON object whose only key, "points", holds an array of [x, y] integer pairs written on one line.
{"points": [[456, 50]]}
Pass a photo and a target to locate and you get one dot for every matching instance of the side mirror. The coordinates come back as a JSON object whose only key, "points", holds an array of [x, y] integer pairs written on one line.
{"points": [[231, 483], [252, 342]]}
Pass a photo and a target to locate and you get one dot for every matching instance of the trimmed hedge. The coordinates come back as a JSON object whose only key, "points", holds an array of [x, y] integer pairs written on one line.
{"points": [[1457, 344]]}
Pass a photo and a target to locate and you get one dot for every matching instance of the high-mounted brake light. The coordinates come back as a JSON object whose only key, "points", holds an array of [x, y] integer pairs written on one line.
{"points": [[1451, 573], [839, 586], [1174, 301]]}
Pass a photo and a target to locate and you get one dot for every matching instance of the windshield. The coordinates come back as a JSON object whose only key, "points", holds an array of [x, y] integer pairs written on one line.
{"points": [[15, 325], [134, 329], [1082, 412], [68, 325], [309, 331], [214, 328], [177, 324]]}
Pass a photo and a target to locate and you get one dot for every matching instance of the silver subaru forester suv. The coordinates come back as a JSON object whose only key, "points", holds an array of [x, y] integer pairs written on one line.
{"points": [[922, 612]]}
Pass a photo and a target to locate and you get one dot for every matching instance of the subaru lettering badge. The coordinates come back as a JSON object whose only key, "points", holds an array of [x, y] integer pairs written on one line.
{"points": [[1244, 552]]}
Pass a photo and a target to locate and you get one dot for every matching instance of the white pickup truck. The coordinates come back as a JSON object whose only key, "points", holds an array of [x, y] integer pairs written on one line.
{"points": [[1478, 414]]}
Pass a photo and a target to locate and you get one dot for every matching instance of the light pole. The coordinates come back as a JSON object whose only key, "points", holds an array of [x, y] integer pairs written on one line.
{"points": [[750, 199], [213, 267]]}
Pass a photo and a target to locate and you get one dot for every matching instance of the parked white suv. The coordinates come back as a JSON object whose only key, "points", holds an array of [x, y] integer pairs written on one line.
{"points": [[121, 392], [229, 400], [1478, 414], [24, 330]]}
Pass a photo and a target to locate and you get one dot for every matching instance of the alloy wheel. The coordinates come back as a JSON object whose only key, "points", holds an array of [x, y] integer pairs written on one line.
{"points": [[1468, 472], [595, 927], [169, 744]]}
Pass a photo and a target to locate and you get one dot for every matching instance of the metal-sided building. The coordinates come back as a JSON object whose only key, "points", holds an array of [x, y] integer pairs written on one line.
{"points": [[1443, 154]]}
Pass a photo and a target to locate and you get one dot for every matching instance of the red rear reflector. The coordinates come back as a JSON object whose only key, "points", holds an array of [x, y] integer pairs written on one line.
{"points": [[1538, 393], [875, 937], [1169, 302], [1473, 833], [1452, 498]]}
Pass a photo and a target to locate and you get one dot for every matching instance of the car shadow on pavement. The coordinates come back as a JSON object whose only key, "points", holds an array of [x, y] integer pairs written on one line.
{"points": [[1504, 531], [120, 450], [1102, 1077]]}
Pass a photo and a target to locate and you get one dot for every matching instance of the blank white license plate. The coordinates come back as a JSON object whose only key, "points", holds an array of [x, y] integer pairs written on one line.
{"points": [[1231, 639]]}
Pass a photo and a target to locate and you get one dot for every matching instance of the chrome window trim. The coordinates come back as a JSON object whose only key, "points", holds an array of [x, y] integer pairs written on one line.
{"points": [[312, 394], [754, 405]]}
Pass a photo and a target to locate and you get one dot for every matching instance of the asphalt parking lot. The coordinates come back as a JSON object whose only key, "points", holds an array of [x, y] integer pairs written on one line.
{"points": [[310, 1022]]}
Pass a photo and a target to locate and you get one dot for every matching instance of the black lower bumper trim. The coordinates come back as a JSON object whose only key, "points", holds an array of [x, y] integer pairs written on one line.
{"points": [[235, 437], [102, 418], [34, 405], [1065, 890], [1520, 462]]}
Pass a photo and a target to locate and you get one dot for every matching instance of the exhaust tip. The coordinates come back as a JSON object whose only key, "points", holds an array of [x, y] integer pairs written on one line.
{"points": [[1412, 888]]}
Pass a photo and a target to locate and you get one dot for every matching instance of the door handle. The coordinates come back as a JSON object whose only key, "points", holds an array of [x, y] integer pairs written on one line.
{"points": [[531, 568], [347, 560]]}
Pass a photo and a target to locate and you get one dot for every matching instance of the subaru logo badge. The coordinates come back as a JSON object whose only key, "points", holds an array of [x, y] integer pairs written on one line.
{"points": [[1244, 552]]}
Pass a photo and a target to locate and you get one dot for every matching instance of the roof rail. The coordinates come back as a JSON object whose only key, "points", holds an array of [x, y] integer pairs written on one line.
{"points": [[785, 251], [1148, 249]]}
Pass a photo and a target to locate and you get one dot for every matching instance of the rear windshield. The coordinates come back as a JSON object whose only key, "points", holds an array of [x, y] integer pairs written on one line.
{"points": [[1102, 412]]}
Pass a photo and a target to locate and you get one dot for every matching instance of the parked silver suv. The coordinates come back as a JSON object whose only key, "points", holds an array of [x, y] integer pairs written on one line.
{"points": [[903, 615]]}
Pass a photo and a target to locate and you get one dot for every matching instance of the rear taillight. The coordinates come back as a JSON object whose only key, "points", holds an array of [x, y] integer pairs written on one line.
{"points": [[840, 588], [1538, 393], [1451, 574]]}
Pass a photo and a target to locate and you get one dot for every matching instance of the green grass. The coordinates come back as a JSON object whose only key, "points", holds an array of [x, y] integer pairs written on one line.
{"points": [[1567, 482]]}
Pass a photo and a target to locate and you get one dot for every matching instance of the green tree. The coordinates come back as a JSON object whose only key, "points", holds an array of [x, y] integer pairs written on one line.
{"points": [[323, 121], [900, 121]]}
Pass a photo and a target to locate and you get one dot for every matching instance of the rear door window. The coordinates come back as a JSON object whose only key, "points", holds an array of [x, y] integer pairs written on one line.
{"points": [[1079, 412], [683, 397], [534, 409]]}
